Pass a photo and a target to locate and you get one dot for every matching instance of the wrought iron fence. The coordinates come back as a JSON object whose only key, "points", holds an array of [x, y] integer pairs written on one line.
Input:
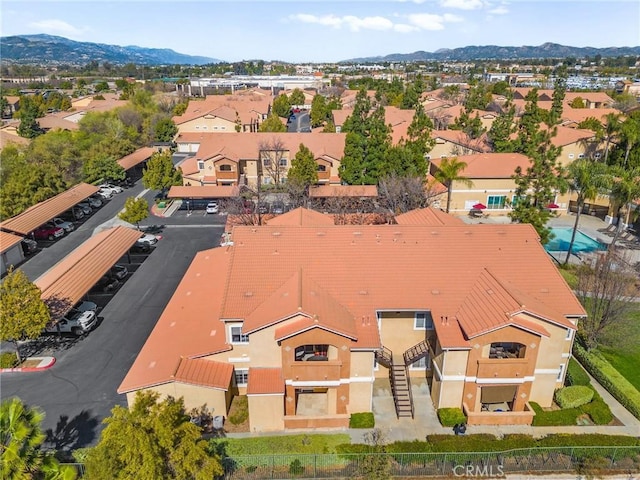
{"points": [[470, 464]]}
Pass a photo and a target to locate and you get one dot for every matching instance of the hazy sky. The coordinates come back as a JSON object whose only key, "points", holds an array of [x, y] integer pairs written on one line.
{"points": [[325, 31]]}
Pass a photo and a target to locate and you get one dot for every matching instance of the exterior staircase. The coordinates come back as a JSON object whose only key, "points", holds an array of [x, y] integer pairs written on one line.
{"points": [[399, 381], [415, 353]]}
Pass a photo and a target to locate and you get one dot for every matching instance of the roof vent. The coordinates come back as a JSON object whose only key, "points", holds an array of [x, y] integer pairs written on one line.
{"points": [[544, 290], [357, 233], [435, 291], [276, 234], [320, 234], [152, 364], [501, 232], [248, 294], [172, 324], [212, 333], [363, 292], [276, 252], [468, 232], [397, 233], [490, 292], [435, 233]]}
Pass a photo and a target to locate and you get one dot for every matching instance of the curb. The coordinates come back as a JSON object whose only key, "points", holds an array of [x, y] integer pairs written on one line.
{"points": [[45, 363]]}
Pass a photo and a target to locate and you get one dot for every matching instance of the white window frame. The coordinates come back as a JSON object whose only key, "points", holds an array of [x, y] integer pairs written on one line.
{"points": [[569, 334], [581, 155], [200, 165], [427, 364], [560, 373], [244, 339], [426, 319], [501, 205], [571, 156], [245, 374]]}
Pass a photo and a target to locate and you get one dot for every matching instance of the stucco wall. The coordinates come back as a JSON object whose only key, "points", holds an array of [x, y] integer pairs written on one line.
{"points": [[211, 124], [360, 394], [217, 401], [266, 412]]}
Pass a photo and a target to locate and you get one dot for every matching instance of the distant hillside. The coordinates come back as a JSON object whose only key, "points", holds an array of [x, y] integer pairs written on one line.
{"points": [[494, 52], [49, 49]]}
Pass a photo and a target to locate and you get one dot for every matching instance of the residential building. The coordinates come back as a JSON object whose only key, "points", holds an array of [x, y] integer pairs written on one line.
{"points": [[303, 316]]}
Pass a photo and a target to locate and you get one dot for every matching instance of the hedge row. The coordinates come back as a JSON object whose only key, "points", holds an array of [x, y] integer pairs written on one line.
{"points": [[609, 378], [489, 443], [451, 416], [576, 374]]}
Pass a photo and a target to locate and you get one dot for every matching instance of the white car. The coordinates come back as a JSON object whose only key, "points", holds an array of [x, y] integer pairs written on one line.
{"points": [[66, 226], [212, 207], [148, 239], [105, 193], [110, 186]]}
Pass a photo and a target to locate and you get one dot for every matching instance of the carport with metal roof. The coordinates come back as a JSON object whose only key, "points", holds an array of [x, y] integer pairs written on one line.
{"points": [[71, 278], [40, 213], [136, 158]]}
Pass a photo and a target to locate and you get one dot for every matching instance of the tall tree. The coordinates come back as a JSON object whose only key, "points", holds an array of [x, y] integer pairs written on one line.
{"points": [[588, 180], [272, 159], [320, 113], [282, 105], [272, 124], [24, 314], [449, 171], [165, 130], [605, 289], [102, 168], [160, 174], [630, 135], [624, 191], [153, 439], [472, 127], [559, 91], [297, 97], [135, 210], [304, 169], [611, 128], [20, 440]]}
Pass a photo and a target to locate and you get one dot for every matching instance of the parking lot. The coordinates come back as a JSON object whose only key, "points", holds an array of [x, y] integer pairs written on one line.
{"points": [[79, 391]]}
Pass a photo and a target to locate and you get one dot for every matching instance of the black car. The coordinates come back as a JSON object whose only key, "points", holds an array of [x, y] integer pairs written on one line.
{"points": [[106, 284], [141, 247], [29, 246]]}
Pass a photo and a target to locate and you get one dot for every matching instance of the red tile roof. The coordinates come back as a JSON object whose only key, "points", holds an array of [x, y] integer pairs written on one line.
{"points": [[490, 165], [42, 212], [265, 381], [206, 191], [302, 217], [207, 373], [427, 216], [327, 191], [250, 105], [8, 240], [135, 158]]}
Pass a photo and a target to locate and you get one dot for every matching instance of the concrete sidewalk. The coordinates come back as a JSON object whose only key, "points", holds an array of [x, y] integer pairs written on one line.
{"points": [[32, 364]]}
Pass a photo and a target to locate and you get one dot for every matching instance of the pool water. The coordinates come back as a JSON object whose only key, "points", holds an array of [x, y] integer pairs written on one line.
{"points": [[582, 242]]}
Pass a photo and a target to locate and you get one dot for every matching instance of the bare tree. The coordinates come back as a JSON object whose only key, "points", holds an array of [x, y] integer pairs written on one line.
{"points": [[401, 194], [272, 159], [607, 289]]}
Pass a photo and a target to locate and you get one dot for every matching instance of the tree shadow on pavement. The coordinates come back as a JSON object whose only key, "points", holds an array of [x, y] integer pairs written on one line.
{"points": [[69, 435], [47, 345]]}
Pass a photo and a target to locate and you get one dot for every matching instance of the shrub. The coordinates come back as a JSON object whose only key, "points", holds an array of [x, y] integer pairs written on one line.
{"points": [[296, 467], [586, 440], [451, 416], [362, 420], [574, 396], [609, 378], [283, 444], [576, 374], [598, 410], [8, 360]]}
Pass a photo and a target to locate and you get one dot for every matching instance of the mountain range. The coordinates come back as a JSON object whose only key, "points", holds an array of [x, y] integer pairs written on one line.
{"points": [[495, 52], [51, 50]]}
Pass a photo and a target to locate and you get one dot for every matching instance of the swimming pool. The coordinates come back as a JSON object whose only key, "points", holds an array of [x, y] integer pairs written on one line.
{"points": [[582, 242]]}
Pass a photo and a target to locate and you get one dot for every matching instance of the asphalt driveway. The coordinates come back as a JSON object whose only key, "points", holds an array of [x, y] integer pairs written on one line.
{"points": [[79, 391]]}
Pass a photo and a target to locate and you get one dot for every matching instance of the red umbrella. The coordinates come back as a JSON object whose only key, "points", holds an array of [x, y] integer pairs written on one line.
{"points": [[553, 205], [479, 206]]}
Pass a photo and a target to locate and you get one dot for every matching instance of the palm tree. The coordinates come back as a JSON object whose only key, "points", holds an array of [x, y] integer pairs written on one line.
{"points": [[587, 179], [625, 189], [630, 133], [20, 439], [449, 172], [612, 125]]}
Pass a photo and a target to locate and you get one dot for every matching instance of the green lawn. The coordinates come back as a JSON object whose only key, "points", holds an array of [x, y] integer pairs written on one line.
{"points": [[624, 354]]}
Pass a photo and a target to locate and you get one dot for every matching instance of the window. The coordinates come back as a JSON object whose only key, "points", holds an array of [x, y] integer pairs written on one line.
{"points": [[283, 162], [200, 165], [496, 202], [581, 155], [568, 337], [241, 376], [322, 168], [427, 157], [423, 321], [422, 364], [571, 155], [236, 335], [225, 168], [204, 127], [561, 372], [266, 161], [597, 155]]}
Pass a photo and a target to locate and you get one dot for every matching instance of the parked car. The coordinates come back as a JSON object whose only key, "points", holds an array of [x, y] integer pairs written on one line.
{"points": [[48, 231], [277, 208], [106, 284], [77, 321], [105, 193], [118, 271], [85, 207], [112, 187], [140, 248], [148, 239], [263, 208], [212, 207], [75, 213], [94, 201], [29, 246], [66, 226]]}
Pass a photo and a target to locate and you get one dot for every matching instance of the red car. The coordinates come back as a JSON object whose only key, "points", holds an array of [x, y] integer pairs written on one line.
{"points": [[48, 231]]}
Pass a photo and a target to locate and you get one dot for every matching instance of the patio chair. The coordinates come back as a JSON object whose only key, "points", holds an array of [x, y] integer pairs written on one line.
{"points": [[609, 229]]}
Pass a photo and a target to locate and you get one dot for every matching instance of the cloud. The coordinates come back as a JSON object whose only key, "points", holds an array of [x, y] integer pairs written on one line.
{"points": [[351, 22], [414, 22], [462, 4], [501, 10], [59, 27]]}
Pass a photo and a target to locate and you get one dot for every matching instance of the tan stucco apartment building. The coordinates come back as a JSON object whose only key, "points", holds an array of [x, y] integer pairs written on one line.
{"points": [[302, 316]]}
